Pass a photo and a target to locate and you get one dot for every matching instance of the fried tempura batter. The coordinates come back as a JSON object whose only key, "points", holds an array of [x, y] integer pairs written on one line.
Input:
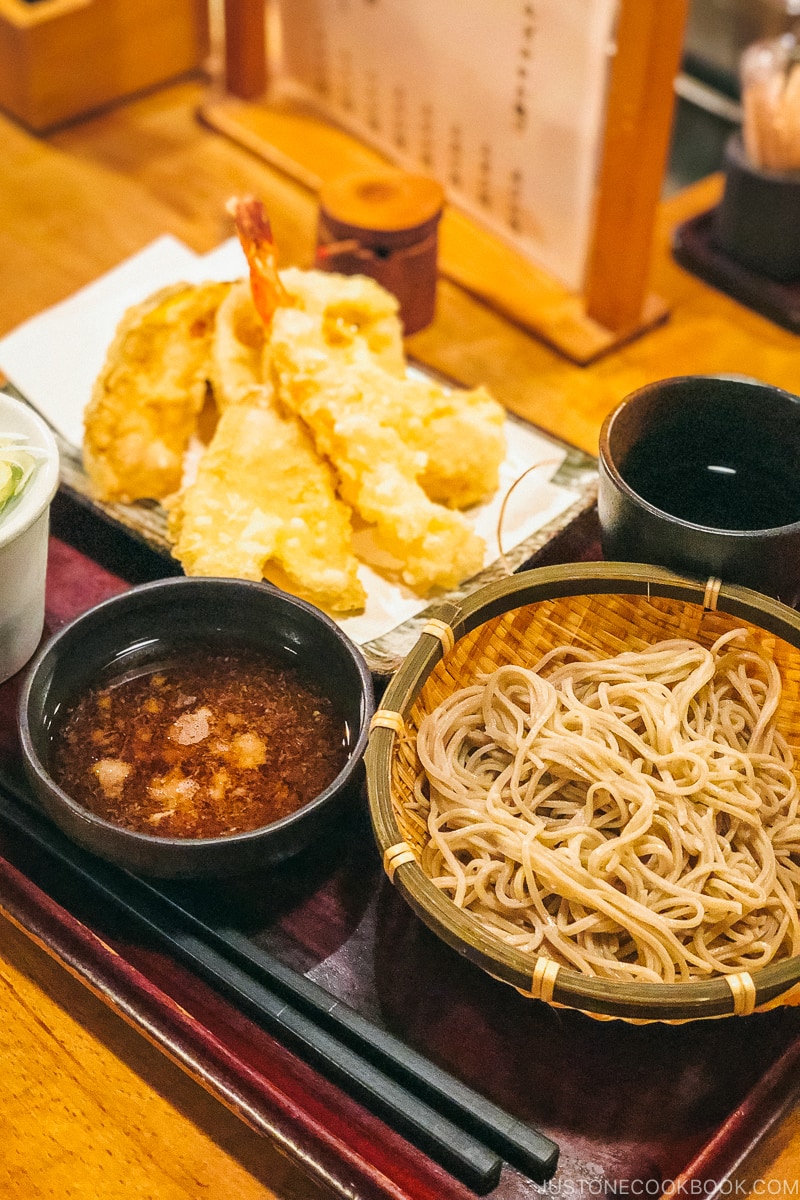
{"points": [[377, 469], [354, 311], [462, 434], [147, 398], [237, 351], [323, 354], [355, 321], [316, 417], [263, 496]]}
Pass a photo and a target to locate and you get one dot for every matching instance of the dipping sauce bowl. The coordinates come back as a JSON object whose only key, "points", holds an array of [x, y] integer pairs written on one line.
{"points": [[173, 729], [701, 474]]}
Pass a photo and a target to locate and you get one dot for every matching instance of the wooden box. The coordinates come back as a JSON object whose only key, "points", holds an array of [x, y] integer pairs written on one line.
{"points": [[60, 59]]}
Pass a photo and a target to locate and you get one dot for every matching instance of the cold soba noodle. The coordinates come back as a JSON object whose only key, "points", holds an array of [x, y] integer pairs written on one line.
{"points": [[634, 817]]}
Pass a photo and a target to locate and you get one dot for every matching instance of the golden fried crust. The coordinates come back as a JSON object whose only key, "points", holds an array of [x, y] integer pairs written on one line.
{"points": [[354, 309], [263, 497], [317, 401], [462, 434], [237, 350], [377, 469], [353, 321], [147, 398]]}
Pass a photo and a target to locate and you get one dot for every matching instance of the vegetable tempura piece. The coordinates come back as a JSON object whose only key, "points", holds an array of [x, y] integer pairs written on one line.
{"points": [[461, 433], [262, 497], [148, 396], [354, 310], [356, 319], [377, 470]]}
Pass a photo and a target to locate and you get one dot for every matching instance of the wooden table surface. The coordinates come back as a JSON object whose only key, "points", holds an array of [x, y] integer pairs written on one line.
{"points": [[87, 1107]]}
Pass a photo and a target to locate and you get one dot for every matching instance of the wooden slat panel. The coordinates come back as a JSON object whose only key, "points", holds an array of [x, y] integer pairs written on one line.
{"points": [[637, 137], [245, 48], [311, 151]]}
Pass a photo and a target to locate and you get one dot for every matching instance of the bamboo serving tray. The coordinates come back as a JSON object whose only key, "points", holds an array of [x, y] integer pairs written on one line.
{"points": [[649, 1104]]}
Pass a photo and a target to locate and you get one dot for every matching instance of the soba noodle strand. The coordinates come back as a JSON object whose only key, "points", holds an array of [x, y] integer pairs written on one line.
{"points": [[635, 817]]}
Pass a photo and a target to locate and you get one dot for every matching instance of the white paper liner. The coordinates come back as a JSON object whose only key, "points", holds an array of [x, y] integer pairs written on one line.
{"points": [[54, 358]]}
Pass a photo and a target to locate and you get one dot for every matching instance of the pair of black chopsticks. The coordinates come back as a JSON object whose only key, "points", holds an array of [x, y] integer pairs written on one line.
{"points": [[455, 1126]]}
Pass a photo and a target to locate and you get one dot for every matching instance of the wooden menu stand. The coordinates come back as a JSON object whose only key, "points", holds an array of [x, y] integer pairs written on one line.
{"points": [[615, 304]]}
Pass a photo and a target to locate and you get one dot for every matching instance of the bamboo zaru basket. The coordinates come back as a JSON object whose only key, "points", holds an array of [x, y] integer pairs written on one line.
{"points": [[606, 608]]}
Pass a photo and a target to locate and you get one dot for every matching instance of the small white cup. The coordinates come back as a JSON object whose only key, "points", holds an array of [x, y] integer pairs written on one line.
{"points": [[24, 529]]}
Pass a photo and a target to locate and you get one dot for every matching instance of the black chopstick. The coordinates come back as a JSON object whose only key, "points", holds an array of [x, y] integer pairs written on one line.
{"points": [[523, 1147], [520, 1145], [458, 1151], [467, 1158], [300, 1005]]}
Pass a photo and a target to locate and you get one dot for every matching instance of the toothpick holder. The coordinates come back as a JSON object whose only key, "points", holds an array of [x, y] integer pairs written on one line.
{"points": [[757, 222]]}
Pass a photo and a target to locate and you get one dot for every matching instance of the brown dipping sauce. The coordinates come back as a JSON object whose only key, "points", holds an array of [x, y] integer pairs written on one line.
{"points": [[208, 745]]}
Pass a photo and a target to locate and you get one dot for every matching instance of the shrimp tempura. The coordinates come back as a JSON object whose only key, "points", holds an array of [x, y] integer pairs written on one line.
{"points": [[237, 351], [356, 321], [353, 311], [255, 234], [378, 472]]}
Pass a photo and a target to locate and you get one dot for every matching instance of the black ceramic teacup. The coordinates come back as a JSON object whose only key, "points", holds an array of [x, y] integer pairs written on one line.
{"points": [[701, 474]]}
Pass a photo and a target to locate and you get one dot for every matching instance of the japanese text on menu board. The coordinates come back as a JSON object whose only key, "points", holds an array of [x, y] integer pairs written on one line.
{"points": [[501, 100]]}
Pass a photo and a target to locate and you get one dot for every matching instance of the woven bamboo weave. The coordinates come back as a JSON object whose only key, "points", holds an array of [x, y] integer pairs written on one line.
{"points": [[606, 608]]}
